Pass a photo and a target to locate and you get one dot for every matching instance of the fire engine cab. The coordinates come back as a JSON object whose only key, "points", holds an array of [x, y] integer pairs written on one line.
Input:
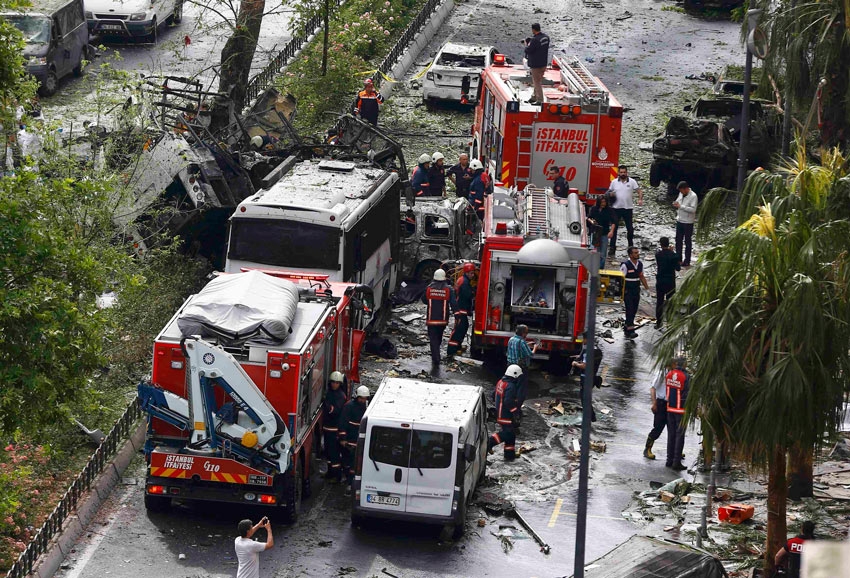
{"points": [[577, 128], [239, 376], [527, 276]]}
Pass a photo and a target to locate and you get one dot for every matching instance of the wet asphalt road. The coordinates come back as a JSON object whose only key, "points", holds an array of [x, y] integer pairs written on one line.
{"points": [[646, 58]]}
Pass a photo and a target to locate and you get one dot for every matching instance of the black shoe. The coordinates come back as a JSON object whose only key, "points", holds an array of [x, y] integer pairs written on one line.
{"points": [[631, 334], [532, 100], [659, 326], [678, 467]]}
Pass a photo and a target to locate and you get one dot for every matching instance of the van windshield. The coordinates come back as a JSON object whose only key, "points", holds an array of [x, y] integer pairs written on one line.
{"points": [[36, 29]]}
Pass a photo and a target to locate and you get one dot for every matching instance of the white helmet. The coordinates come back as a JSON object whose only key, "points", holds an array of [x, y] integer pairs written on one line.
{"points": [[439, 275], [337, 376], [475, 164], [424, 158], [257, 141], [437, 156], [363, 391], [513, 371]]}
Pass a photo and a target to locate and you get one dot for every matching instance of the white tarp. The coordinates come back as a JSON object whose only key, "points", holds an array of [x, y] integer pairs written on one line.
{"points": [[242, 307]]}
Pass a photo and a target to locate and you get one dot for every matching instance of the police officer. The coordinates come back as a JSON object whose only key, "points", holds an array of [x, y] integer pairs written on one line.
{"points": [[419, 178], [335, 399], [504, 399], [368, 102], [464, 294], [678, 382], [667, 263], [439, 297], [560, 186], [632, 268], [792, 552], [479, 188], [437, 176], [349, 430]]}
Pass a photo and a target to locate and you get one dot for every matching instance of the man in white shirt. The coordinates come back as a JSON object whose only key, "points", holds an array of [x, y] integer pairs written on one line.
{"points": [[248, 551], [622, 189], [658, 394], [686, 214]]}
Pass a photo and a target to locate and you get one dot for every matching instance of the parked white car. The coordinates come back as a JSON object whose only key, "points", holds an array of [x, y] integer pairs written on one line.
{"points": [[132, 18], [455, 73]]}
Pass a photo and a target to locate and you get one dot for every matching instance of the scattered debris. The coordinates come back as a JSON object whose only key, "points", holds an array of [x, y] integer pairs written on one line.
{"points": [[482, 522], [411, 317], [735, 513], [626, 15], [544, 547], [325, 543], [598, 446]]}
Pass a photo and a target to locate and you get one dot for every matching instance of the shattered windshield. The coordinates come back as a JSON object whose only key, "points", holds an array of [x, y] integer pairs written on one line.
{"points": [[36, 29], [457, 60]]}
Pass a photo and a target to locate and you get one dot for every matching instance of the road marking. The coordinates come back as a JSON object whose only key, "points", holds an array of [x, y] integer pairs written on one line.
{"points": [[555, 512], [603, 373]]}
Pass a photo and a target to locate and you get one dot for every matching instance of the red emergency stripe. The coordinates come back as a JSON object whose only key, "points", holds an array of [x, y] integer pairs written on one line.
{"points": [[330, 429], [168, 472], [504, 421], [461, 312]]}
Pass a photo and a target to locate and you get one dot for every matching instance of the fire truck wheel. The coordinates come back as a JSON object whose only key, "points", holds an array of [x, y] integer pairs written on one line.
{"points": [[157, 503], [294, 493], [654, 174], [672, 191]]}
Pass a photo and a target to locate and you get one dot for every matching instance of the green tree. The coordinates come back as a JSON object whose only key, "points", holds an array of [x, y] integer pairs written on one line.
{"points": [[16, 85], [765, 319], [56, 258], [810, 40]]}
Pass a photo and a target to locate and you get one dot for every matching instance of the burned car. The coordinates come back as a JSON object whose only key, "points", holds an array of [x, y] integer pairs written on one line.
{"points": [[455, 72], [702, 152], [765, 124], [645, 557], [436, 231]]}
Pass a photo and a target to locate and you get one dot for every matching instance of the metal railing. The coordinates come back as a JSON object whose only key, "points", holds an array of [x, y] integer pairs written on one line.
{"points": [[264, 79], [408, 35], [99, 460]]}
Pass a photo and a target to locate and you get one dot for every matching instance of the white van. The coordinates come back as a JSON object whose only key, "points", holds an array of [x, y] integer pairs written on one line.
{"points": [[421, 453], [455, 72]]}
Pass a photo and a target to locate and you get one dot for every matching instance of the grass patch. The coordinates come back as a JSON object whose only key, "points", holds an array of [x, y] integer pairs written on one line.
{"points": [[671, 8], [653, 78]]}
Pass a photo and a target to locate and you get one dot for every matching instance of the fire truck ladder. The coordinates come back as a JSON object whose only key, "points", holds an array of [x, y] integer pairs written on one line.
{"points": [[536, 218], [582, 82], [523, 161]]}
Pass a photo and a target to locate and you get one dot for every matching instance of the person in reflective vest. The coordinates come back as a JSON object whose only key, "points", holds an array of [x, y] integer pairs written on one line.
{"points": [[335, 399], [792, 553], [632, 268], [369, 102], [419, 178], [677, 382], [349, 431], [439, 297], [504, 399], [480, 187], [464, 293]]}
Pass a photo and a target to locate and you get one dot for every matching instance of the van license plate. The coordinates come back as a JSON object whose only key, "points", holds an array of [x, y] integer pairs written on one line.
{"points": [[382, 500], [111, 27]]}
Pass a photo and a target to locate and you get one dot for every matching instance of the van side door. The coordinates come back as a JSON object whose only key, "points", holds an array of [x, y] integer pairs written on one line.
{"points": [[385, 471]]}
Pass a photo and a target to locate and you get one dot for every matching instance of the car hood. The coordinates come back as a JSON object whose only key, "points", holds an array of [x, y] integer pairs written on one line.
{"points": [[35, 50], [117, 6]]}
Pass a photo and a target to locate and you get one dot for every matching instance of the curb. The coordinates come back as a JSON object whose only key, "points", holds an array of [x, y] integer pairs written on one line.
{"points": [[418, 44], [61, 545]]}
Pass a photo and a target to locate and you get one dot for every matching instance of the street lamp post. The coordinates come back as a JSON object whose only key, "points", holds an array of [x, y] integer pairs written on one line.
{"points": [[755, 44], [591, 263]]}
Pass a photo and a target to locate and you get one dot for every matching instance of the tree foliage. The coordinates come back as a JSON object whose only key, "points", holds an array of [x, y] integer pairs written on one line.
{"points": [[15, 84], [766, 318]]}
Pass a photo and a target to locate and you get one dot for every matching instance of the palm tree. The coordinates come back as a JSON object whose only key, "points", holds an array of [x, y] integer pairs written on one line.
{"points": [[766, 318], [809, 40]]}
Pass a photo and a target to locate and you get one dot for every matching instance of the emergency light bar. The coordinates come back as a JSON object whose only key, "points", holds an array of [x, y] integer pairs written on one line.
{"points": [[498, 60]]}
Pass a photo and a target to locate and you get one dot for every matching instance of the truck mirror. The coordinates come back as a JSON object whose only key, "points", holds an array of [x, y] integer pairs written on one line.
{"points": [[469, 452]]}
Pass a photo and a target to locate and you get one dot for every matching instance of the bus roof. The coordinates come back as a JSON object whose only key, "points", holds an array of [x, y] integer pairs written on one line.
{"points": [[445, 404], [322, 186]]}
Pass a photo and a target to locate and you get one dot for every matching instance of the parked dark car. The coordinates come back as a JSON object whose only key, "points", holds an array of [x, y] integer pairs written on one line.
{"points": [[702, 152], [645, 557], [765, 124]]}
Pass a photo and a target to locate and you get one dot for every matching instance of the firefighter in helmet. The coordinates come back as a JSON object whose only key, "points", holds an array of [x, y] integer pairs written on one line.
{"points": [[349, 429], [464, 295], [440, 299], [419, 178], [480, 187], [504, 399], [335, 399], [437, 176]]}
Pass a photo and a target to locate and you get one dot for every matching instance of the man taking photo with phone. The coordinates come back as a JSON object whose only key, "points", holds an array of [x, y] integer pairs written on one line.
{"points": [[248, 551]]}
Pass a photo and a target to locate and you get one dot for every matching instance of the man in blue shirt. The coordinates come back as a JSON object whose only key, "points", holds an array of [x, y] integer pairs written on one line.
{"points": [[519, 353]]}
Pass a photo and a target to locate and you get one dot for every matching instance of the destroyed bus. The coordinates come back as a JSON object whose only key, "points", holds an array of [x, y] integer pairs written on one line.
{"points": [[322, 216], [576, 129], [527, 276]]}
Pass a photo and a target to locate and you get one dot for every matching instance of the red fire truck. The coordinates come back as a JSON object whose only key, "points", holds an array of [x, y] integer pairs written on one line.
{"points": [[527, 276], [577, 128], [237, 386]]}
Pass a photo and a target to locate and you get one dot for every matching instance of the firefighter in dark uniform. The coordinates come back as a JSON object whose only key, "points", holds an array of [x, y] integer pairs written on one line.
{"points": [[560, 188], [504, 399], [368, 102], [439, 297], [793, 550], [335, 400], [419, 178], [464, 295], [632, 268], [678, 382], [479, 188], [349, 430]]}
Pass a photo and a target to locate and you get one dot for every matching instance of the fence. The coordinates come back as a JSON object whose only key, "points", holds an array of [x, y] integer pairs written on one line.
{"points": [[265, 78], [67, 505], [408, 35]]}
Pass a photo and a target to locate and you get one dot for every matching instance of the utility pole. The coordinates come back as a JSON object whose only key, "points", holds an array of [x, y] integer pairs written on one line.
{"points": [[756, 43], [789, 96], [592, 265]]}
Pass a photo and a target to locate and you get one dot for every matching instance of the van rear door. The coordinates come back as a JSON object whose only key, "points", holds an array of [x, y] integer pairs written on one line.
{"points": [[385, 471], [433, 459]]}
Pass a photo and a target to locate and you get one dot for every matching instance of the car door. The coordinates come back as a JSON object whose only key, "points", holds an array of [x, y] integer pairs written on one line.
{"points": [[433, 459], [385, 471]]}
